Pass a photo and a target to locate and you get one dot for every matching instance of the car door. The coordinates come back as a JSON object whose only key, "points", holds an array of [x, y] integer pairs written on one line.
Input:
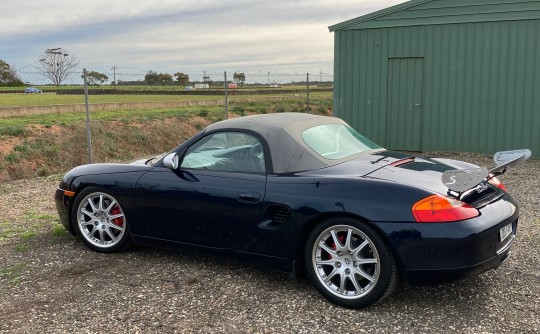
{"points": [[212, 199]]}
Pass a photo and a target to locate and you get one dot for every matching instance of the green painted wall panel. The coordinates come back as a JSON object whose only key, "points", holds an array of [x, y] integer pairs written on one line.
{"points": [[481, 86]]}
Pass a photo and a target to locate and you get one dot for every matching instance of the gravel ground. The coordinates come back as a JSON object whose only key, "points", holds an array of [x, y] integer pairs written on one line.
{"points": [[50, 283]]}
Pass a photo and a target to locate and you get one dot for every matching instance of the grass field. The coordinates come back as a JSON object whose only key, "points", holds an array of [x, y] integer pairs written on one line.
{"points": [[155, 88], [44, 99], [319, 104]]}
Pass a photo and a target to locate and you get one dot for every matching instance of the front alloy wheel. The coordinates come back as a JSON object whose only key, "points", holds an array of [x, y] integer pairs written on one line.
{"points": [[349, 264], [100, 221]]}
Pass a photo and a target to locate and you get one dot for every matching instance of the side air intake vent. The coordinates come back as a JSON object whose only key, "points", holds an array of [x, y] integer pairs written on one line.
{"points": [[275, 215]]}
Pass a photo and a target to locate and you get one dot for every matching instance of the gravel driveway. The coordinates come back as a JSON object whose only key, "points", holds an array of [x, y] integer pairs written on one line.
{"points": [[51, 283]]}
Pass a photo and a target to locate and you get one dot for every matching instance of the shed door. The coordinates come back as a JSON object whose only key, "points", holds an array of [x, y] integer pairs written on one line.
{"points": [[405, 98]]}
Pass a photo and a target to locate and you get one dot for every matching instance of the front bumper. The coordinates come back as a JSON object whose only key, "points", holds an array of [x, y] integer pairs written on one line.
{"points": [[63, 204], [438, 252]]}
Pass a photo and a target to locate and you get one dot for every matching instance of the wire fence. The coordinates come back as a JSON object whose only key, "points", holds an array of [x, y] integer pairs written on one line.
{"points": [[152, 87]]}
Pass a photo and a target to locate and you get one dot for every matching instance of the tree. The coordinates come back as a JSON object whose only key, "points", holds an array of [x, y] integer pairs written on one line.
{"points": [[154, 78], [95, 78], [183, 79], [8, 75], [239, 77], [57, 65]]}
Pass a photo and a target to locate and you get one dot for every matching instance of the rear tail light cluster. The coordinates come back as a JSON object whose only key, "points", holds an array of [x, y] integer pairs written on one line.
{"points": [[441, 209], [497, 183]]}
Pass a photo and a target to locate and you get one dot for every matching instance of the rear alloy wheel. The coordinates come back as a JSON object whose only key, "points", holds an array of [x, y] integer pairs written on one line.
{"points": [[349, 264], [100, 221]]}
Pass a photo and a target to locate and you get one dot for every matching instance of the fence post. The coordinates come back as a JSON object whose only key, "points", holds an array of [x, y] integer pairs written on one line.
{"points": [[307, 99], [226, 97], [88, 133]]}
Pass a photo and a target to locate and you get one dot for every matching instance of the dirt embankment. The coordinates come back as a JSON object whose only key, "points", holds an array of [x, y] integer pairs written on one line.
{"points": [[45, 150]]}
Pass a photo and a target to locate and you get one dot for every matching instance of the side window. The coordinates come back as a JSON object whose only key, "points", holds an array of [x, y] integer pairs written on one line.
{"points": [[234, 152]]}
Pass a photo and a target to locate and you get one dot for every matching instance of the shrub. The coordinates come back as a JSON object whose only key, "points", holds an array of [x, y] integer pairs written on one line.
{"points": [[239, 110], [281, 108]]}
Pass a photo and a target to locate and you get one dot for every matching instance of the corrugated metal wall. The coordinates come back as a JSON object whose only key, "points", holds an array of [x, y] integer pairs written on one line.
{"points": [[481, 82]]}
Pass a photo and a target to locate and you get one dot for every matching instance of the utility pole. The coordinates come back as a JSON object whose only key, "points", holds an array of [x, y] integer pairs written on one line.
{"points": [[114, 74]]}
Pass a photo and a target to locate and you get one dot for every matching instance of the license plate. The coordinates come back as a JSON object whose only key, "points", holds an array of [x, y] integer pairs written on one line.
{"points": [[505, 231]]}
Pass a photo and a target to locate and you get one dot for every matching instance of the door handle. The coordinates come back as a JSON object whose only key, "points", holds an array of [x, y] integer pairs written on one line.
{"points": [[250, 197]]}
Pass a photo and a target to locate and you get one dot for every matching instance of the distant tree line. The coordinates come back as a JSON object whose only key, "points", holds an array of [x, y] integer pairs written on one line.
{"points": [[57, 65], [153, 78]]}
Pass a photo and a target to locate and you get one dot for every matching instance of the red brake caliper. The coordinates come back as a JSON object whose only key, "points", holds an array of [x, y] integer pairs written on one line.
{"points": [[341, 239], [117, 221]]}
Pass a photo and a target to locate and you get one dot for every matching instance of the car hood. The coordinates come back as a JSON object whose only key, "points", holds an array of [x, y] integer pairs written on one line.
{"points": [[110, 168], [403, 168]]}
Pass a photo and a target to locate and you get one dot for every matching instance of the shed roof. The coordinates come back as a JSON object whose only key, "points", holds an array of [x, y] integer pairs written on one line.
{"points": [[430, 12]]}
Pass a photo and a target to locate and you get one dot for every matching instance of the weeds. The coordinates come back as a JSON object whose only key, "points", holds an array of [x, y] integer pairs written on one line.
{"points": [[58, 231], [12, 157], [12, 131], [12, 273], [261, 110], [27, 235], [239, 110], [22, 247], [280, 108]]}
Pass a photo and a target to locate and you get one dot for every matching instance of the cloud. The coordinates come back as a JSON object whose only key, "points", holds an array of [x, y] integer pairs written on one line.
{"points": [[173, 35]]}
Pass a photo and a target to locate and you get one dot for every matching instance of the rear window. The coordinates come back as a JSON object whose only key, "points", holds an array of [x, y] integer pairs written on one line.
{"points": [[336, 141]]}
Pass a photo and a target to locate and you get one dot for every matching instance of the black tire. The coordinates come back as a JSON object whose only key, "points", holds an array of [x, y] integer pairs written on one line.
{"points": [[99, 221], [349, 264]]}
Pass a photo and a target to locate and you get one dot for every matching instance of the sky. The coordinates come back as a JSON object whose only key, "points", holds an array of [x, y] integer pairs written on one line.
{"points": [[169, 36]]}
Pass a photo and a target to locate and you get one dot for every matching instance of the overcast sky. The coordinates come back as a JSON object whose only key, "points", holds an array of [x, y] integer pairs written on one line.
{"points": [[190, 36]]}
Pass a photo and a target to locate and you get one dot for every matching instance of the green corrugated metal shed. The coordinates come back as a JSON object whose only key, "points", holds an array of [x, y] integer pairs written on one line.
{"points": [[442, 75]]}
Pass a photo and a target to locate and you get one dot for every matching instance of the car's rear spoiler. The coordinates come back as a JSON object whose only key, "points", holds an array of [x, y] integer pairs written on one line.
{"points": [[459, 181]]}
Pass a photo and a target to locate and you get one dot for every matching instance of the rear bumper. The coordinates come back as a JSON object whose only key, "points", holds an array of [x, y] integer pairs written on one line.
{"points": [[438, 252], [426, 277]]}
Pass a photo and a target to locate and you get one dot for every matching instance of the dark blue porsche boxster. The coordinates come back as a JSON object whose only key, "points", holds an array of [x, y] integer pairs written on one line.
{"points": [[304, 194]]}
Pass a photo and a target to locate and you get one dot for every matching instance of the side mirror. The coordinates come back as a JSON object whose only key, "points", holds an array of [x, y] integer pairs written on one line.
{"points": [[171, 161]]}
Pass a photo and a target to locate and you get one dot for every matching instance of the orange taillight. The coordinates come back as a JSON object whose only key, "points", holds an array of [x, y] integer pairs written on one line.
{"points": [[440, 209], [497, 183]]}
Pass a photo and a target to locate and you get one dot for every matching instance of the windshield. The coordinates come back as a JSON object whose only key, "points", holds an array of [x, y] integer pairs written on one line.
{"points": [[336, 141]]}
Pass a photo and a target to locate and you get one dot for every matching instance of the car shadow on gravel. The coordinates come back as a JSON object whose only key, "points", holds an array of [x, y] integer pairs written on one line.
{"points": [[179, 270]]}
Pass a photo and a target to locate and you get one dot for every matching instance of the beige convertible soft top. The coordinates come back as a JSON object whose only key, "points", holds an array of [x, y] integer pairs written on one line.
{"points": [[283, 133]]}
